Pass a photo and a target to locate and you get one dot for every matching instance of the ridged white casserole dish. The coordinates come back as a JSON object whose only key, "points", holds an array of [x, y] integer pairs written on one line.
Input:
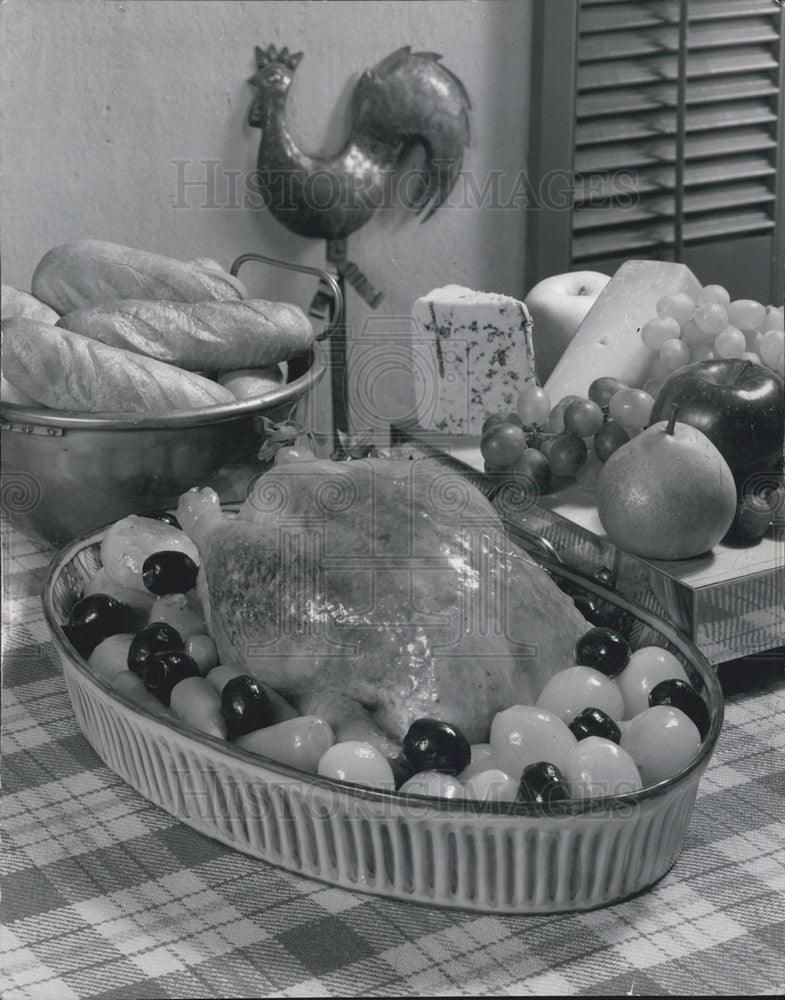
{"points": [[500, 857]]}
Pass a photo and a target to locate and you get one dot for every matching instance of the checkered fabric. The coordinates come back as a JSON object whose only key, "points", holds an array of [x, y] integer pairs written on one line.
{"points": [[105, 895]]}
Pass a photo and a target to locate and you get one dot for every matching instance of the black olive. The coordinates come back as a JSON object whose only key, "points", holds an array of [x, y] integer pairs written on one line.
{"points": [[679, 695], [591, 610], [169, 573], [595, 722], [158, 637], [94, 618], [431, 745], [166, 517], [543, 784], [164, 670], [246, 706], [605, 576], [603, 649]]}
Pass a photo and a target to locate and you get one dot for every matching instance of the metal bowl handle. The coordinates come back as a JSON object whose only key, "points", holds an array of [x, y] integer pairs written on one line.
{"points": [[325, 277]]}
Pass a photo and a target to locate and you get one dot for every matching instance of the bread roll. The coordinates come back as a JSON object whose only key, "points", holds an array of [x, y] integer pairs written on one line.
{"points": [[65, 371], [17, 305], [201, 336], [87, 272], [247, 383]]}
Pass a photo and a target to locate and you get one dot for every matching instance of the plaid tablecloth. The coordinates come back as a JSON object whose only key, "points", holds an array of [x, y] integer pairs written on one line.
{"points": [[105, 895]]}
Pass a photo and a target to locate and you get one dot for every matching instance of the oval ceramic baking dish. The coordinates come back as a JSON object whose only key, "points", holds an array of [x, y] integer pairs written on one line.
{"points": [[500, 857]]}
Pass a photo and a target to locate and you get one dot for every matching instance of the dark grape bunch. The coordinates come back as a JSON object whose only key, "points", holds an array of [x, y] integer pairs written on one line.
{"points": [[545, 444]]}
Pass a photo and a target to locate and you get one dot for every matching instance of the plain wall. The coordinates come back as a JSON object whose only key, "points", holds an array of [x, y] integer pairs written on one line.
{"points": [[101, 98]]}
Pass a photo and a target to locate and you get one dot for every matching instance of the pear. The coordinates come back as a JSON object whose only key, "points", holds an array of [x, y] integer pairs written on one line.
{"points": [[666, 494]]}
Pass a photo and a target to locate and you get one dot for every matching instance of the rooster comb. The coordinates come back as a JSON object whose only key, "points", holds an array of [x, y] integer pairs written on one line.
{"points": [[272, 55]]}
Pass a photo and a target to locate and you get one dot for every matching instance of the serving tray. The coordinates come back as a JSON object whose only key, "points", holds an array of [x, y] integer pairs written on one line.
{"points": [[498, 857]]}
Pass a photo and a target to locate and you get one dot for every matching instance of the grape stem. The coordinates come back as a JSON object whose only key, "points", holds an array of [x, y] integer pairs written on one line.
{"points": [[672, 421]]}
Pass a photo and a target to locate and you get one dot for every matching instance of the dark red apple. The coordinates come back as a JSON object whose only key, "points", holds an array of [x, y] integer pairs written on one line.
{"points": [[737, 404]]}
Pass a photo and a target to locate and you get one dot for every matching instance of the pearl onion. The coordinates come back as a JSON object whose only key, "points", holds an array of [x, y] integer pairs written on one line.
{"points": [[525, 734], [491, 786], [359, 763], [596, 767], [482, 760], [570, 691], [442, 786], [647, 667], [203, 651], [662, 741], [110, 656]]}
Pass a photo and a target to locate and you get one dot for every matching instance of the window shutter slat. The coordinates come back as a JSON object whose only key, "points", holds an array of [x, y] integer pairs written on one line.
{"points": [[638, 239], [604, 17], [627, 155], [651, 208], [655, 42], [650, 126], [635, 101], [629, 73], [598, 188]]}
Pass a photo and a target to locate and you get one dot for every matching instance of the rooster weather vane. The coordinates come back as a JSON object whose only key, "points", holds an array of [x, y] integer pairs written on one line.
{"points": [[408, 100]]}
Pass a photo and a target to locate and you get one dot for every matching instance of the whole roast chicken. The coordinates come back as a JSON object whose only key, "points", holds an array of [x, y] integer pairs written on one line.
{"points": [[384, 584]]}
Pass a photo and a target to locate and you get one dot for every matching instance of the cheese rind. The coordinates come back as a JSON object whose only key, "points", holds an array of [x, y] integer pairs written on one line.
{"points": [[608, 340], [479, 347]]}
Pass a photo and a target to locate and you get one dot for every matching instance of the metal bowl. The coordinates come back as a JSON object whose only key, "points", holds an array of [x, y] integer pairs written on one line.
{"points": [[498, 857], [65, 474]]}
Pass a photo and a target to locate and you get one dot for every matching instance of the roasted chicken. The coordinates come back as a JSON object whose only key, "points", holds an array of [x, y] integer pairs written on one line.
{"points": [[387, 582]]}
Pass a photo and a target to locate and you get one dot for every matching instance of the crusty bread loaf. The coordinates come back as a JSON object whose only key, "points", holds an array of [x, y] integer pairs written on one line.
{"points": [[200, 336], [15, 304], [87, 272], [66, 371], [10, 394]]}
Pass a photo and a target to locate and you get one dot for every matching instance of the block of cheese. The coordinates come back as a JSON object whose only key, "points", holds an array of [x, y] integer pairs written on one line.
{"points": [[478, 348], [608, 340]]}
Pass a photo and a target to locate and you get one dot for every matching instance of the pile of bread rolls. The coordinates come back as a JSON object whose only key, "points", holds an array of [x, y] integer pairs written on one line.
{"points": [[108, 329]]}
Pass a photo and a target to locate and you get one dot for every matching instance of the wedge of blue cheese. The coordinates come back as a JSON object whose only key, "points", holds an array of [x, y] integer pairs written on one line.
{"points": [[480, 353]]}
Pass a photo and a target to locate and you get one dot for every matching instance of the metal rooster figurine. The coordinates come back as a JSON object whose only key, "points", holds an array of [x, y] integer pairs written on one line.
{"points": [[407, 100]]}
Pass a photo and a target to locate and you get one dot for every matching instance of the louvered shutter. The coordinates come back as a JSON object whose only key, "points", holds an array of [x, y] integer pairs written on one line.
{"points": [[624, 146]]}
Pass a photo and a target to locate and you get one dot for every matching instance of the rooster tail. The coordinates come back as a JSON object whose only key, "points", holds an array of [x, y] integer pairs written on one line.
{"points": [[411, 100]]}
